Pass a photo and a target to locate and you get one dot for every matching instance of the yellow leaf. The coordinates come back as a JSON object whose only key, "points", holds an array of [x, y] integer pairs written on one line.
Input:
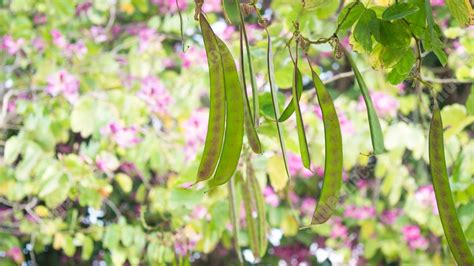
{"points": [[289, 226], [41, 211], [277, 173]]}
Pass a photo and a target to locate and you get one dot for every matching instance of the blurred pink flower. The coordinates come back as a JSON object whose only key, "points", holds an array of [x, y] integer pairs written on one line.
{"points": [[385, 105], [195, 129], [10, 45], [425, 196], [98, 34], [200, 212], [15, 254], [359, 213], [39, 44], [412, 235], [295, 166], [77, 49], [62, 82], [437, 2], [339, 230], [145, 37], [347, 127], [40, 19], [390, 216], [155, 95], [307, 206], [125, 137], [193, 57], [271, 198], [83, 7], [58, 38], [106, 162], [212, 6], [169, 6]]}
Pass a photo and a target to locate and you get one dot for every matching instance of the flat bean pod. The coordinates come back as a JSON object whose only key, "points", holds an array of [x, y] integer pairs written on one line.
{"points": [[290, 108], [233, 215], [273, 91], [252, 135], [303, 143], [330, 191], [261, 227], [234, 131], [447, 210], [374, 123], [249, 210], [216, 124]]}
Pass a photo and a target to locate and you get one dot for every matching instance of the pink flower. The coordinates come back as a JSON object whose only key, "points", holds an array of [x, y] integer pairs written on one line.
{"points": [[295, 166], [271, 198], [145, 37], [212, 6], [83, 7], [58, 38], [169, 6], [15, 254], [390, 216], [195, 129], [385, 105], [437, 2], [98, 34], [38, 43], [155, 95], [346, 125], [200, 212], [425, 195], [125, 137], [193, 57], [62, 82], [359, 213], [40, 19], [77, 49], [412, 235], [339, 230], [307, 206], [107, 162], [10, 45]]}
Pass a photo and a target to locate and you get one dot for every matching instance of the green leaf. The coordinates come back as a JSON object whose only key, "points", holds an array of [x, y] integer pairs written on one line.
{"points": [[394, 34], [68, 246], [460, 11], [13, 147], [399, 11], [402, 69], [455, 119], [231, 10], [87, 248], [470, 102], [364, 29], [350, 14]]}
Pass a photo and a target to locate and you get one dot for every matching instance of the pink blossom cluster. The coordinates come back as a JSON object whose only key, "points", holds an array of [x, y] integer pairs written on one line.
{"points": [[413, 237], [62, 82], [155, 95], [185, 241], [389, 217], [212, 6], [295, 166], [360, 213], [437, 2], [169, 6], [347, 127], [271, 198], [195, 129], [193, 57], [385, 104], [69, 49], [10, 45], [339, 230], [123, 136], [425, 195], [200, 213], [308, 204], [15, 254]]}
